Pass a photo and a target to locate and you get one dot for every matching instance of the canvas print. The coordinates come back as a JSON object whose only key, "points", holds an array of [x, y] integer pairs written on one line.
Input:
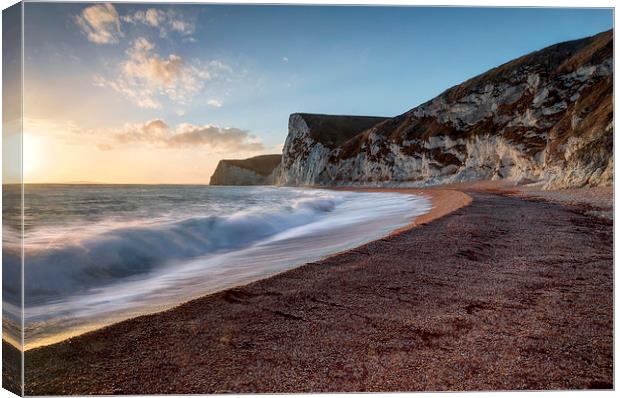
{"points": [[226, 198]]}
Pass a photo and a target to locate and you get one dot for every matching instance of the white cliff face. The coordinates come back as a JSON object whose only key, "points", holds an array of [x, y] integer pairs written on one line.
{"points": [[485, 157], [587, 160], [524, 123], [303, 158]]}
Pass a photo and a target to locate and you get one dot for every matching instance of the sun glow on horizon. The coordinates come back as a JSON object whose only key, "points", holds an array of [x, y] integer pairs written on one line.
{"points": [[56, 156], [33, 156]]}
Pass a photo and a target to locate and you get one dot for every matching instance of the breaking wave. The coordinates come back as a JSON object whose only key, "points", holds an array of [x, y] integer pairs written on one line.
{"points": [[127, 252]]}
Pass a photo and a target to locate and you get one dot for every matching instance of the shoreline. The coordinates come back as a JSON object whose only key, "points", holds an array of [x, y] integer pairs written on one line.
{"points": [[445, 199], [443, 202], [467, 312]]}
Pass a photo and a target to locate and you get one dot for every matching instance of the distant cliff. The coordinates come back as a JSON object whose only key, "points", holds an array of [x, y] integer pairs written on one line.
{"points": [[547, 117], [253, 171]]}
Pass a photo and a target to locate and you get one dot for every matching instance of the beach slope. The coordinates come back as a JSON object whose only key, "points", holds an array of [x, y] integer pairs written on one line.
{"points": [[505, 294]]}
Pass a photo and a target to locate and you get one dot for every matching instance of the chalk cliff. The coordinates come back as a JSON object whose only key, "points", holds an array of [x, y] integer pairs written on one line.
{"points": [[258, 170], [310, 141], [545, 117]]}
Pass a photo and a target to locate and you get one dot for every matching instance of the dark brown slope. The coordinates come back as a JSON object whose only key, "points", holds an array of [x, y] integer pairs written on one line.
{"points": [[550, 62], [503, 294], [333, 130]]}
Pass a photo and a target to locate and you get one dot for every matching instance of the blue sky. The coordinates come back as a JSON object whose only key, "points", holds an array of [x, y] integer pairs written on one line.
{"points": [[105, 73]]}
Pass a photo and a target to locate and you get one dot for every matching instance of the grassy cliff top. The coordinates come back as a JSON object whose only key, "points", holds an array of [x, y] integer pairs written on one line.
{"points": [[334, 130]]}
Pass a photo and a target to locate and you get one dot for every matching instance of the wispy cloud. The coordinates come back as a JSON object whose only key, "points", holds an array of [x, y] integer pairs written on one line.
{"points": [[166, 21], [186, 135], [152, 17], [143, 97], [100, 23], [144, 75], [215, 103], [182, 26]]}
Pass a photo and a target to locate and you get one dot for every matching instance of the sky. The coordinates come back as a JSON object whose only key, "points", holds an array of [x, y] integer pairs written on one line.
{"points": [[139, 93]]}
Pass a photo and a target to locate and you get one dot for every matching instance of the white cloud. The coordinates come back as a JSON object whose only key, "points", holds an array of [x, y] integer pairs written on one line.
{"points": [[100, 23], [284, 59], [145, 75], [215, 103], [181, 26], [144, 65], [143, 97], [151, 17], [186, 135], [164, 20]]}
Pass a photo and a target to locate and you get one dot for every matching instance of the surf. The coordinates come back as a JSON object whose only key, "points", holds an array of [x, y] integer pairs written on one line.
{"points": [[87, 273]]}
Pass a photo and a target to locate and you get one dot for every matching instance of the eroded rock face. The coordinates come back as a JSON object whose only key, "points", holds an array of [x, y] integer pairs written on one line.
{"points": [[311, 140], [547, 116], [258, 170]]}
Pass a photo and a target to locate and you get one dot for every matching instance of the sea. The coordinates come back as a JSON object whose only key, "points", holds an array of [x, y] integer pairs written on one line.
{"points": [[99, 254]]}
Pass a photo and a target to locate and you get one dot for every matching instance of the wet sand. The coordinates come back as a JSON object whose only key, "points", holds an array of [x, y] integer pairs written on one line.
{"points": [[504, 293]]}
